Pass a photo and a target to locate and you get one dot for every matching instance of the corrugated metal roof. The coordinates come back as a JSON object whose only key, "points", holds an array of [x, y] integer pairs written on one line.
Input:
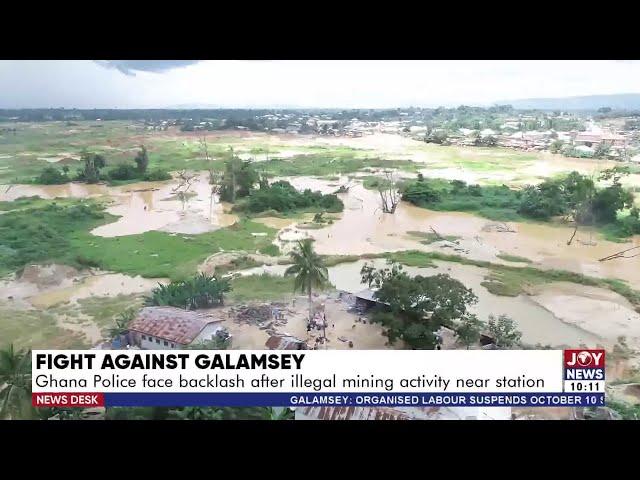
{"points": [[170, 323], [401, 413], [285, 342], [365, 294], [371, 413]]}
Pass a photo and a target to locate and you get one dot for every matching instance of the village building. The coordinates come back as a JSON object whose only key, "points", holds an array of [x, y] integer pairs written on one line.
{"points": [[593, 138], [531, 140], [160, 328], [293, 128], [487, 132], [285, 342], [365, 299], [402, 413]]}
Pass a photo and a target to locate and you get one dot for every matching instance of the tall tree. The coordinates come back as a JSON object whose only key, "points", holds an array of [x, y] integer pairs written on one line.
{"points": [[389, 196], [15, 383], [121, 323], [417, 306], [92, 165], [215, 178], [309, 270], [215, 182], [239, 178], [185, 182], [142, 160], [469, 330], [504, 332]]}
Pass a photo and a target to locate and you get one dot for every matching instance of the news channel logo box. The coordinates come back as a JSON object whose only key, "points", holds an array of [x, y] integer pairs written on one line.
{"points": [[584, 365]]}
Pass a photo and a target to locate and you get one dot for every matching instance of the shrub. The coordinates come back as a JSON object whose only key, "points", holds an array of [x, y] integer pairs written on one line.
{"points": [[535, 204], [281, 196], [420, 193], [201, 291], [123, 171], [51, 176], [157, 175]]}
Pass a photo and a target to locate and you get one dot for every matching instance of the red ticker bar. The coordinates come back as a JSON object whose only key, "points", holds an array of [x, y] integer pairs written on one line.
{"points": [[68, 400]]}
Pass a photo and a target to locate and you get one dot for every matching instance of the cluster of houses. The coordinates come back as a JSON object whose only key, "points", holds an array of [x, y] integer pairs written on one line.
{"points": [[578, 143]]}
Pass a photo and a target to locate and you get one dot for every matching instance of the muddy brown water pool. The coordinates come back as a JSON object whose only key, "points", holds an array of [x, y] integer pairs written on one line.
{"points": [[556, 315], [364, 228], [361, 228], [142, 206]]}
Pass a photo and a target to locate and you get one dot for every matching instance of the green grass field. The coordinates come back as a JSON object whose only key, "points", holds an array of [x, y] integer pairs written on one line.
{"points": [[24, 155], [263, 287], [61, 233], [35, 329]]}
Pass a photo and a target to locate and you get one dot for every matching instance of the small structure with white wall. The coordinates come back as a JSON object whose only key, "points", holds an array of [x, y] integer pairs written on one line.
{"points": [[161, 328]]}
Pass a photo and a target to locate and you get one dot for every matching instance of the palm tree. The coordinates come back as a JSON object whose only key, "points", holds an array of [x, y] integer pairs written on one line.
{"points": [[308, 269], [121, 323], [15, 383]]}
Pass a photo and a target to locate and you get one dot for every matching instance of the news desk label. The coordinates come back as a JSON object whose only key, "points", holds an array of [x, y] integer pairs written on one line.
{"points": [[584, 371]]}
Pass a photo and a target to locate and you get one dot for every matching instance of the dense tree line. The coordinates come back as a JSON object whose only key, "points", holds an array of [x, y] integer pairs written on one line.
{"points": [[93, 166], [574, 196]]}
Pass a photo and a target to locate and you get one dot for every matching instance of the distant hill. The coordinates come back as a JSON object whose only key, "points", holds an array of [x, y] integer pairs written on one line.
{"points": [[622, 101]]}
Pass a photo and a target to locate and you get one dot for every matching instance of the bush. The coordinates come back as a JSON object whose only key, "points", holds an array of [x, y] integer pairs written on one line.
{"points": [[535, 204], [51, 176], [123, 171], [420, 193], [157, 175], [281, 196], [201, 291], [271, 250], [629, 225]]}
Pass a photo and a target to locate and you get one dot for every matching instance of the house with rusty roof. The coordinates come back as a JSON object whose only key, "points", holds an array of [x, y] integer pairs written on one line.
{"points": [[402, 413], [159, 328]]}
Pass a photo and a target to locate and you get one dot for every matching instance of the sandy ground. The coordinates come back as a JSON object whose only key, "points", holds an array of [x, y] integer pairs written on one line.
{"points": [[44, 287], [596, 310], [99, 284], [342, 324]]}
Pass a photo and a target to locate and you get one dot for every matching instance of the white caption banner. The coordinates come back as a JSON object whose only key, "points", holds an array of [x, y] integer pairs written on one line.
{"points": [[409, 371]]}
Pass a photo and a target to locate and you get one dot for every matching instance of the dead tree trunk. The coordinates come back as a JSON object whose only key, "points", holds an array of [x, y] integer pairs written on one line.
{"points": [[388, 193], [185, 181], [440, 237], [575, 230], [620, 254]]}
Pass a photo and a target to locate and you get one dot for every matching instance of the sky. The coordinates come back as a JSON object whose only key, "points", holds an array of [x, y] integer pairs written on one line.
{"points": [[303, 83]]}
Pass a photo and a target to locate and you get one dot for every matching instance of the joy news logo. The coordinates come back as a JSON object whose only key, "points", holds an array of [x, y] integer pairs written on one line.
{"points": [[584, 364]]}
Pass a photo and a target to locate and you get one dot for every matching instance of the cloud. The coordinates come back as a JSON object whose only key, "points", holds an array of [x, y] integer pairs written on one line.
{"points": [[129, 67]]}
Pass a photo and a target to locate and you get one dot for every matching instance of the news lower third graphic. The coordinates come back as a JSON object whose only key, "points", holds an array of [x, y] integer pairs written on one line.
{"points": [[471, 378]]}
